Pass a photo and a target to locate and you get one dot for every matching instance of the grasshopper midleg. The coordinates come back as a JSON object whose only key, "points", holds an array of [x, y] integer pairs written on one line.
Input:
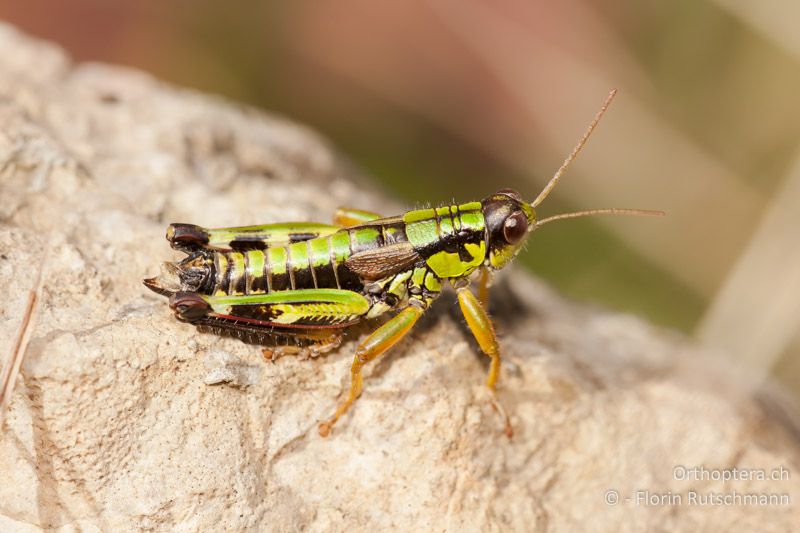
{"points": [[484, 283], [298, 286]]}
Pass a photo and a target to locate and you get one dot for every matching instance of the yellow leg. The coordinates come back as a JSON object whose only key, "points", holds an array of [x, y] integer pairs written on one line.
{"points": [[481, 327], [347, 216], [378, 342], [483, 287]]}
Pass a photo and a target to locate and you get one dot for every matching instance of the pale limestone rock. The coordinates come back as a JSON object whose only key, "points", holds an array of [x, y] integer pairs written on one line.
{"points": [[113, 426]]}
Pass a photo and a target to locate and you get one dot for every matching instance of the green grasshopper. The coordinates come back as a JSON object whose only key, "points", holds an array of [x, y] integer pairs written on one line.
{"points": [[297, 286]]}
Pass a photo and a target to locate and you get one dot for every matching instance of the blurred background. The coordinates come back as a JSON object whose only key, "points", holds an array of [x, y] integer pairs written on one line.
{"points": [[443, 100]]}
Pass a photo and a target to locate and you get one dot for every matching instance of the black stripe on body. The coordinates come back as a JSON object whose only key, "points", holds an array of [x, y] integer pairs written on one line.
{"points": [[349, 280], [303, 278], [327, 277], [241, 245], [298, 236], [289, 269]]}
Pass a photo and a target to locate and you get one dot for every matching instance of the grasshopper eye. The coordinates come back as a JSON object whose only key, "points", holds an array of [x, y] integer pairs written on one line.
{"points": [[515, 227]]}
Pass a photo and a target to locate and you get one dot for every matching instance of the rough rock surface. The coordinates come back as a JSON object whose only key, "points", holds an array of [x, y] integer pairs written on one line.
{"points": [[113, 426]]}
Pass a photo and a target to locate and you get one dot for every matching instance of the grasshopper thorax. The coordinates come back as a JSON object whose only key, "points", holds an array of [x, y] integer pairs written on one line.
{"points": [[509, 219]]}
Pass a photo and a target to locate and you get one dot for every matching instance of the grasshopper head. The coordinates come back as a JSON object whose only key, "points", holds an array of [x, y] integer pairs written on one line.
{"points": [[509, 220]]}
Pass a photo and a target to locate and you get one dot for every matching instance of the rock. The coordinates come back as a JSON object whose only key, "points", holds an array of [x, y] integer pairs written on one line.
{"points": [[113, 426]]}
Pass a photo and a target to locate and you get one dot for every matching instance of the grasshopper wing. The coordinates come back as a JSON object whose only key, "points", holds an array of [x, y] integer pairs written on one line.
{"points": [[382, 262]]}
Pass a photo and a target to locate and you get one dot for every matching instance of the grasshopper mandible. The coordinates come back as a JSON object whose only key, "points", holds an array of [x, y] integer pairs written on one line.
{"points": [[297, 286]]}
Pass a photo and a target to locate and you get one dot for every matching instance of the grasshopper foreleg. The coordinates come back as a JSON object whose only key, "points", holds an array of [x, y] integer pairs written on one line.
{"points": [[481, 327], [484, 282]]}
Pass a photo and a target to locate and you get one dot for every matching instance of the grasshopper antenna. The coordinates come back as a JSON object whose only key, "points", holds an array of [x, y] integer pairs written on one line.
{"points": [[575, 151], [570, 158], [607, 211]]}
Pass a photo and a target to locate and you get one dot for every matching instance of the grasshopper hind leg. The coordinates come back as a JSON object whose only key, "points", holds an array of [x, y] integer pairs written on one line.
{"points": [[275, 342]]}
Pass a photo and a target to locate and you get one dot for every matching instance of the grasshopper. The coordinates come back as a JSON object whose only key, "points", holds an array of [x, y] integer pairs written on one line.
{"points": [[297, 286]]}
